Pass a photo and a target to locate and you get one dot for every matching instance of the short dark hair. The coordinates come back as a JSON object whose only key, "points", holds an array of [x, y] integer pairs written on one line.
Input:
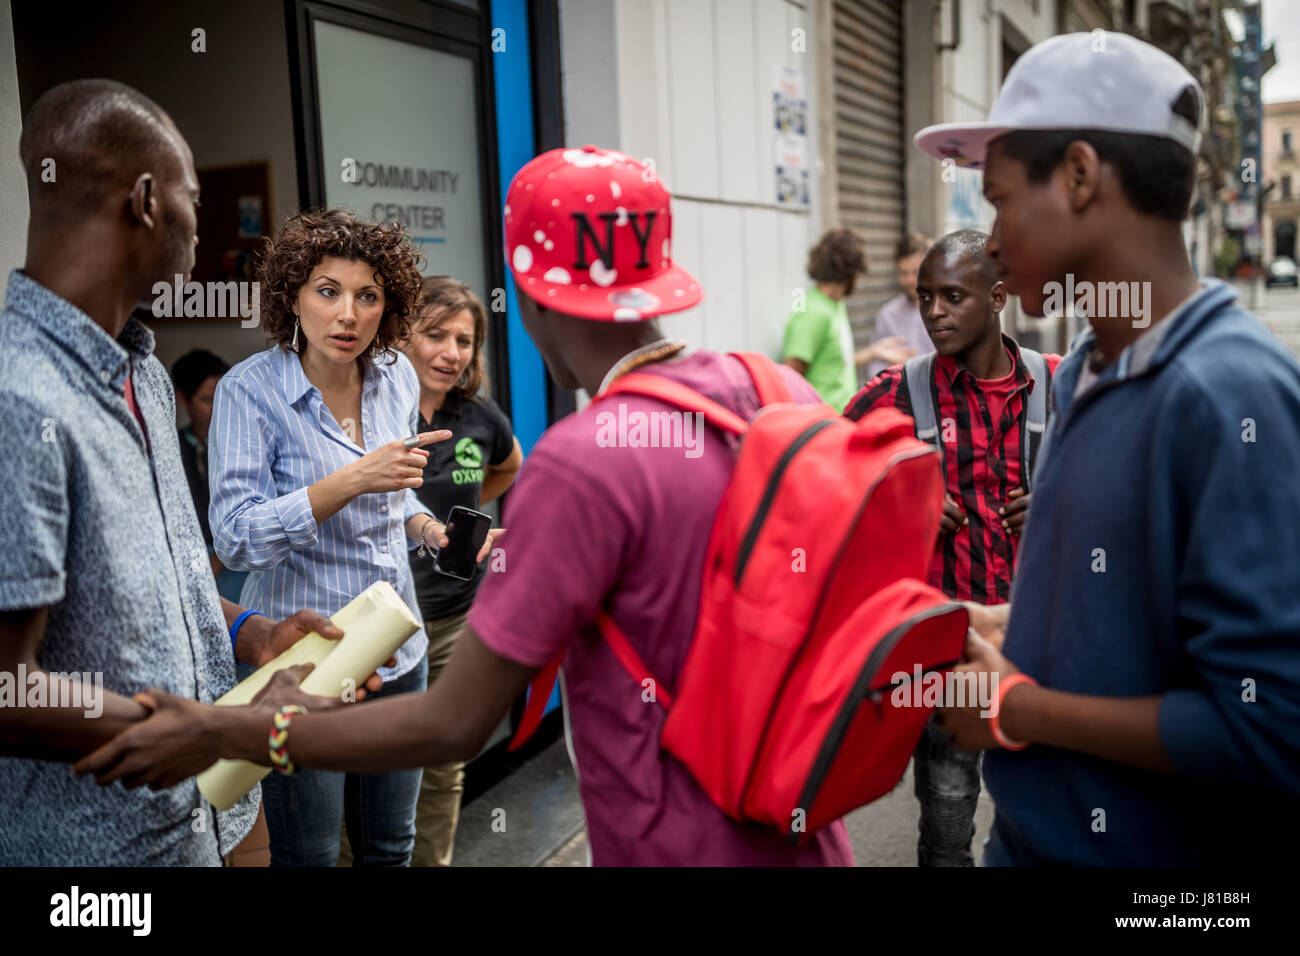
{"points": [[968, 244], [1158, 175], [101, 135], [911, 244], [192, 369], [308, 238], [839, 256]]}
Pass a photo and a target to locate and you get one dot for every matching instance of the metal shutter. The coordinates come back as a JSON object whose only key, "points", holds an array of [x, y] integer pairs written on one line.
{"points": [[867, 109]]}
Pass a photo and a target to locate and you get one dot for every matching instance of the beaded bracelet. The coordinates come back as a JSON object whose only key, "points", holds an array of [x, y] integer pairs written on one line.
{"points": [[426, 549], [1004, 685], [278, 742]]}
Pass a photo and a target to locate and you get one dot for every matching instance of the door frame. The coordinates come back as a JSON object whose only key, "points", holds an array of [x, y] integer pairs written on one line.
{"points": [[447, 28]]}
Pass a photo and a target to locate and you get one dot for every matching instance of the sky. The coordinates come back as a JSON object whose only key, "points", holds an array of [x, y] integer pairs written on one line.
{"points": [[1281, 20]]}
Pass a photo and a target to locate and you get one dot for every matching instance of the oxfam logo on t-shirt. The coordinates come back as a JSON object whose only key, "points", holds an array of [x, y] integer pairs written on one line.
{"points": [[470, 458], [468, 454]]}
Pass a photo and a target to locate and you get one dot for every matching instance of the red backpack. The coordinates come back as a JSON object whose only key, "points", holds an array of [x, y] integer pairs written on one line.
{"points": [[813, 599]]}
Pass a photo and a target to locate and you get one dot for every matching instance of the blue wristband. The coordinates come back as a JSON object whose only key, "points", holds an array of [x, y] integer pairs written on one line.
{"points": [[234, 628]]}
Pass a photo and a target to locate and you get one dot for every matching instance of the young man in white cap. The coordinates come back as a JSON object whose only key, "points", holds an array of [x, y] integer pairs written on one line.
{"points": [[1148, 685], [599, 519]]}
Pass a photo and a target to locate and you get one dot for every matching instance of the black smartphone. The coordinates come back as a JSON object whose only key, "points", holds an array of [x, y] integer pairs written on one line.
{"points": [[467, 529]]}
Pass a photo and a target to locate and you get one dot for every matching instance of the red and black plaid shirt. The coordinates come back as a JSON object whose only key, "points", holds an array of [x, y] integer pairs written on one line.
{"points": [[982, 458]]}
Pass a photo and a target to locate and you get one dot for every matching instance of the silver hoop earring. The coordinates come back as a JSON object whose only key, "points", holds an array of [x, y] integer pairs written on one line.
{"points": [[295, 335]]}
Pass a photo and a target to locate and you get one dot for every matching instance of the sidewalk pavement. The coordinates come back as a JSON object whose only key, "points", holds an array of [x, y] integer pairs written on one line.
{"points": [[882, 834], [534, 818]]}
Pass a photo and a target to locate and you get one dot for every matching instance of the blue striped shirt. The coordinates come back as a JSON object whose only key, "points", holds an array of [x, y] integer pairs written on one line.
{"points": [[272, 436]]}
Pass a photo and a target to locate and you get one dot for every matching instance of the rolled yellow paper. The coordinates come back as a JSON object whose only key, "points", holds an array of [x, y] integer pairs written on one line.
{"points": [[375, 624]]}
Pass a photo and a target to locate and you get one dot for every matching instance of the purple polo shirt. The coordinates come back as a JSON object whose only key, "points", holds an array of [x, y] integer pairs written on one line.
{"points": [[591, 525], [899, 316]]}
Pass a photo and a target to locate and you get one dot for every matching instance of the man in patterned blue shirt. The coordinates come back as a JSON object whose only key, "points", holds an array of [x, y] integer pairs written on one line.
{"points": [[103, 570]]}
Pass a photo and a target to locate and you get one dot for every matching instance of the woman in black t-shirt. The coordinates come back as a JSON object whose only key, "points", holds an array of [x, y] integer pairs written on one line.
{"points": [[476, 466]]}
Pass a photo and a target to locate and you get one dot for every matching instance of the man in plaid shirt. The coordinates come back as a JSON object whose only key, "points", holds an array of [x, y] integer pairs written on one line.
{"points": [[981, 386]]}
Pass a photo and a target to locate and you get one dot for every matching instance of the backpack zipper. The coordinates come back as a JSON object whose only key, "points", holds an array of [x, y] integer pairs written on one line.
{"points": [[861, 690], [769, 495], [821, 601]]}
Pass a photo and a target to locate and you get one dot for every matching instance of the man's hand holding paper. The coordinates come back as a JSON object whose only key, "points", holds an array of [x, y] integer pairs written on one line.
{"points": [[182, 737], [261, 641], [178, 739]]}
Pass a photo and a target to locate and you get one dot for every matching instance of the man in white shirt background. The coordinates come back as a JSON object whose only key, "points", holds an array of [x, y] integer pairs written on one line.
{"points": [[899, 318]]}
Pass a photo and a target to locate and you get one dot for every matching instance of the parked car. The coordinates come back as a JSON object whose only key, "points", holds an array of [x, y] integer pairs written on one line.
{"points": [[1282, 271]]}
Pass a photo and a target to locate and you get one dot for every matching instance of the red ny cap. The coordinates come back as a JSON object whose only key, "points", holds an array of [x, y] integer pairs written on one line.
{"points": [[588, 233]]}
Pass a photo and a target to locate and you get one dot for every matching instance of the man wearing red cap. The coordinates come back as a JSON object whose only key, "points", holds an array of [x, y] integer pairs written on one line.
{"points": [[603, 517], [588, 235]]}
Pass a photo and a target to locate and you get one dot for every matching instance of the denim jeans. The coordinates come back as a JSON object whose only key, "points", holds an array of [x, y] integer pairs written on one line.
{"points": [[995, 853], [437, 811], [230, 583], [304, 810], [948, 786]]}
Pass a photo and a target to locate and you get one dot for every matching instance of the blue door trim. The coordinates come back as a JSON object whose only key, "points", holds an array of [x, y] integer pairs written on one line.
{"points": [[512, 74]]}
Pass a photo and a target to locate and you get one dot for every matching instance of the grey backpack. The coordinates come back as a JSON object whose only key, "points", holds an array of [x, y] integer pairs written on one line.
{"points": [[923, 396]]}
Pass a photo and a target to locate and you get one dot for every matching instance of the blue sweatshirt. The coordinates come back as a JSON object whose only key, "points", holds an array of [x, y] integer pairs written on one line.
{"points": [[1162, 556]]}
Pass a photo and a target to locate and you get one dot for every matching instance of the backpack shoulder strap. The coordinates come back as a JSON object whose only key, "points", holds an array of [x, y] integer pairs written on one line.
{"points": [[918, 374], [629, 658], [675, 393], [1035, 418], [539, 693], [771, 388], [543, 682], [1037, 366], [767, 378]]}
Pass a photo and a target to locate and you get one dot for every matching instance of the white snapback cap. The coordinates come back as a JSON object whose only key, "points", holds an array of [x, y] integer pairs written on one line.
{"points": [[1096, 81]]}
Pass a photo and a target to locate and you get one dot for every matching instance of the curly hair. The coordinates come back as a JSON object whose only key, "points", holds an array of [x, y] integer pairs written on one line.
{"points": [[442, 298], [309, 237], [839, 256]]}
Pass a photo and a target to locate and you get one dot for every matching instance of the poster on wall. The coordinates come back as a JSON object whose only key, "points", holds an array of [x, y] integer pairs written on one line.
{"points": [[966, 207], [790, 116], [233, 221], [250, 217], [399, 133]]}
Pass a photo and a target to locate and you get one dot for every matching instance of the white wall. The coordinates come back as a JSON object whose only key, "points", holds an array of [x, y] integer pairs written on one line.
{"points": [[587, 54], [692, 84], [13, 183], [969, 80], [232, 103], [971, 76]]}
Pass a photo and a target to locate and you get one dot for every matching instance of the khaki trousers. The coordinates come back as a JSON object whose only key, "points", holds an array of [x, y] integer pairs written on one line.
{"points": [[438, 809]]}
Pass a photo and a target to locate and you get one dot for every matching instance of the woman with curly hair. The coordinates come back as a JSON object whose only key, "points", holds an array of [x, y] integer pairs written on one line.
{"points": [[312, 472]]}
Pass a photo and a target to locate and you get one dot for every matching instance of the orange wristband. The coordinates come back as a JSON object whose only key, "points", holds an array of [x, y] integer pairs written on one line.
{"points": [[1005, 684]]}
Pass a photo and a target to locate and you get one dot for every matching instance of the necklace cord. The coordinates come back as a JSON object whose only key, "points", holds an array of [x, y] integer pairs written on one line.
{"points": [[653, 352]]}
